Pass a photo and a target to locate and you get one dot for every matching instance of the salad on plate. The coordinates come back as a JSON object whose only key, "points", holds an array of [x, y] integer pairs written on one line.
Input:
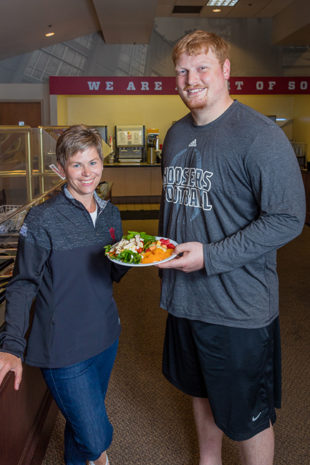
{"points": [[141, 249]]}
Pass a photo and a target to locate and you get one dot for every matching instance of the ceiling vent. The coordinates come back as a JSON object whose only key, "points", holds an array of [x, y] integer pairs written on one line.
{"points": [[186, 9]]}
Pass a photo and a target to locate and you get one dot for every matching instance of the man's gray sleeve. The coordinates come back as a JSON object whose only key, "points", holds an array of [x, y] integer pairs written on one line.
{"points": [[275, 179]]}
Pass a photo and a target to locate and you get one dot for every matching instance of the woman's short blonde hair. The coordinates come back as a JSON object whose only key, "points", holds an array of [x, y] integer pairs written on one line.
{"points": [[198, 42], [75, 139]]}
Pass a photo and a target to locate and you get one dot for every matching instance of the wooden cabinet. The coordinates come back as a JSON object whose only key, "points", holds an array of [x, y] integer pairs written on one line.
{"points": [[27, 418], [139, 182], [306, 179]]}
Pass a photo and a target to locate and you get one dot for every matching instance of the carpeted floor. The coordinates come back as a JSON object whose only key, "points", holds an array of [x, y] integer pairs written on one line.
{"points": [[152, 420]]}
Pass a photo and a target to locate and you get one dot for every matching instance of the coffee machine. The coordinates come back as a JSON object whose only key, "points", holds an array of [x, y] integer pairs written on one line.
{"points": [[152, 144]]}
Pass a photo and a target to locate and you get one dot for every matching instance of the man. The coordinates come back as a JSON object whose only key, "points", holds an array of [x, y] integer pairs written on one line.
{"points": [[232, 195]]}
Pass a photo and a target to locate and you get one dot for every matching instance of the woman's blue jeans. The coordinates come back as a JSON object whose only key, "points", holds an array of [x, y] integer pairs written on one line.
{"points": [[79, 391]]}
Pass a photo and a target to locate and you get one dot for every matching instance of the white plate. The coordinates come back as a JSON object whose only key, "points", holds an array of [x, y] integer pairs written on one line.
{"points": [[119, 262]]}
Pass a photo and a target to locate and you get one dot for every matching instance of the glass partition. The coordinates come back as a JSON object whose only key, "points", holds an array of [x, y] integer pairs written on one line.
{"points": [[11, 220], [25, 158]]}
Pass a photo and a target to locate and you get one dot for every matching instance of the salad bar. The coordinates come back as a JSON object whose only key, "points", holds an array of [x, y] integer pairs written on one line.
{"points": [[141, 249]]}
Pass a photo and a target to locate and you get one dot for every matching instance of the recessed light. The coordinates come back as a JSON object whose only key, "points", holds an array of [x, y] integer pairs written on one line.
{"points": [[216, 10], [50, 33]]}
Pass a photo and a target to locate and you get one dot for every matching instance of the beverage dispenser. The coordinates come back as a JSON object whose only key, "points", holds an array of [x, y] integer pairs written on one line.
{"points": [[152, 144], [130, 143]]}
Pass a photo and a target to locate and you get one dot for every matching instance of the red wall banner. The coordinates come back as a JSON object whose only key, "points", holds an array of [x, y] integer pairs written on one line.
{"points": [[133, 85]]}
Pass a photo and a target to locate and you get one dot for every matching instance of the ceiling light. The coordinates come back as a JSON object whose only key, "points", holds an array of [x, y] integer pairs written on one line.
{"points": [[222, 2], [216, 10], [50, 33]]}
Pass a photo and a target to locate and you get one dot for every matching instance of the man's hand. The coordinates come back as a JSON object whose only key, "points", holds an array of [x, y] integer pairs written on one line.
{"points": [[9, 362], [191, 260]]}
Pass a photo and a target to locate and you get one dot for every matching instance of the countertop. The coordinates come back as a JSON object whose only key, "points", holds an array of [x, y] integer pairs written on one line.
{"points": [[131, 165]]}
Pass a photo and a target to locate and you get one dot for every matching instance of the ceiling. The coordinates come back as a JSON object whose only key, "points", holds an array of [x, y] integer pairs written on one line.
{"points": [[23, 23]]}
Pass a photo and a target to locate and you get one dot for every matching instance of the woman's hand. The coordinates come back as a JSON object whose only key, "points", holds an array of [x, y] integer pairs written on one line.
{"points": [[9, 362], [191, 260]]}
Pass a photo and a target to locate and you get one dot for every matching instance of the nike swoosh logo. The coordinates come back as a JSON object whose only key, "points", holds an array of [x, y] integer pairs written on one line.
{"points": [[257, 417]]}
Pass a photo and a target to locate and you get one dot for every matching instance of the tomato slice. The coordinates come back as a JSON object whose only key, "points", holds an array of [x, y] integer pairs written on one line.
{"points": [[164, 241], [167, 243]]}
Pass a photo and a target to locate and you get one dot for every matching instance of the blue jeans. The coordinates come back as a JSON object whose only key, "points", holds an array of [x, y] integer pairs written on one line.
{"points": [[79, 391]]}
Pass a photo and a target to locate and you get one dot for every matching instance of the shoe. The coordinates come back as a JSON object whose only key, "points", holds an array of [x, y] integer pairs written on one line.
{"points": [[106, 462]]}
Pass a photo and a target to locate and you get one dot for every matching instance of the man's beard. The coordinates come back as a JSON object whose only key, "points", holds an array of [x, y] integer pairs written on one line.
{"points": [[194, 104]]}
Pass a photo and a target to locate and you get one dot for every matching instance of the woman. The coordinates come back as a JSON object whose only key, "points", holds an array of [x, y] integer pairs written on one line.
{"points": [[75, 329]]}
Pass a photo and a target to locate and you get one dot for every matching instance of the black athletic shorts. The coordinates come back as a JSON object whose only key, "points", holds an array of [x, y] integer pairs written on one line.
{"points": [[238, 370]]}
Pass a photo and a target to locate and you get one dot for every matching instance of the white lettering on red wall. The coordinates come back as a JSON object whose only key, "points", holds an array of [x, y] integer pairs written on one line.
{"points": [[85, 85], [93, 85]]}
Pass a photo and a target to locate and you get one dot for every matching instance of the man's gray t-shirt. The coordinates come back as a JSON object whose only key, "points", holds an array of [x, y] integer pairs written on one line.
{"points": [[235, 186]]}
